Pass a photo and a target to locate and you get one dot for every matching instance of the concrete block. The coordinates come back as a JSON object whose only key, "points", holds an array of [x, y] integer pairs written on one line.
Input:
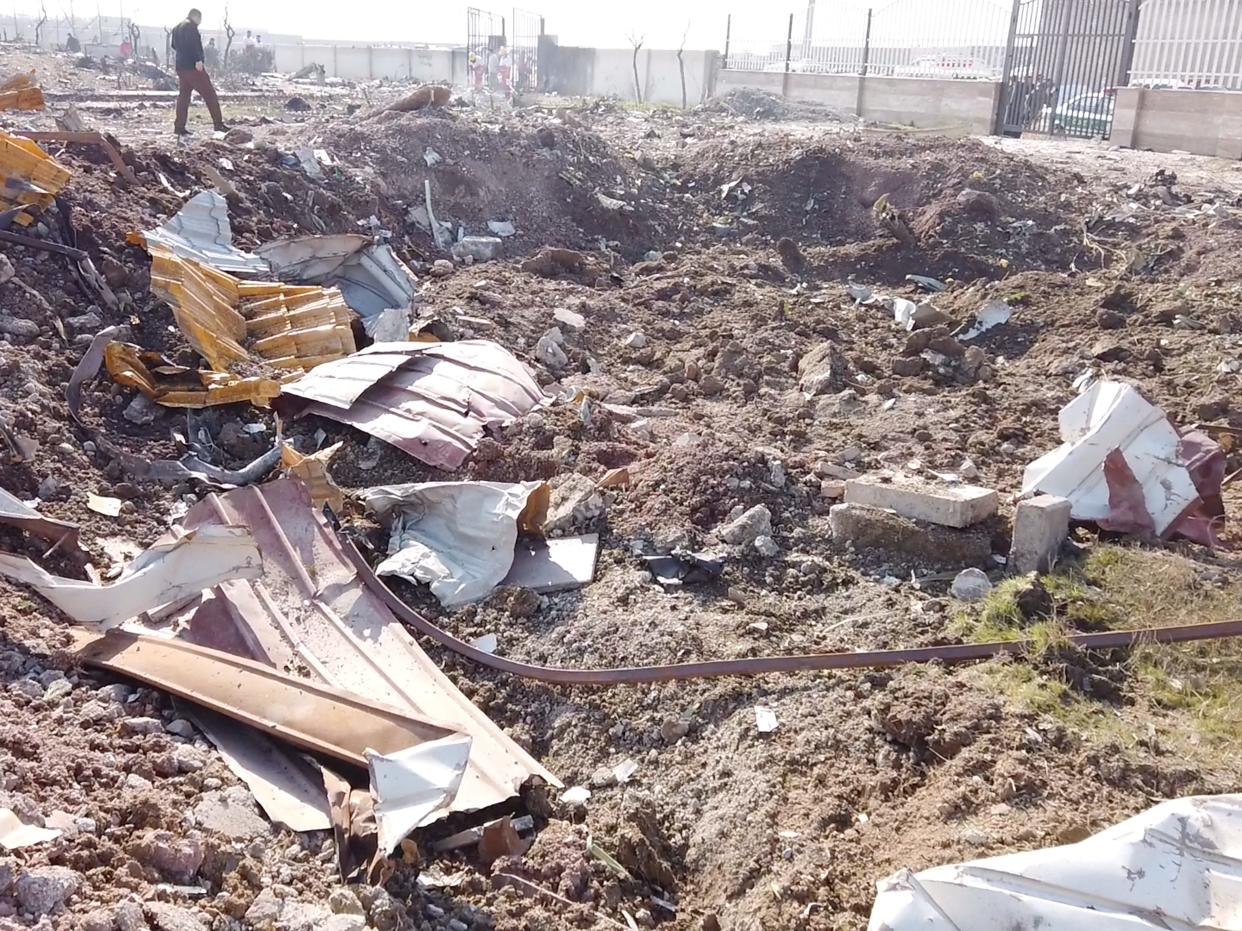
{"points": [[1040, 526], [479, 248], [866, 528], [947, 505]]}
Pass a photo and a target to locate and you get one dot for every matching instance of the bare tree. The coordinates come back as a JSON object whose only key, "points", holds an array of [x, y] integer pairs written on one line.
{"points": [[637, 41], [681, 64], [42, 21], [229, 32]]}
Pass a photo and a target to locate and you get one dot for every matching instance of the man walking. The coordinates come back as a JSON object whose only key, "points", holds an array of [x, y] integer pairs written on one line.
{"points": [[192, 74]]}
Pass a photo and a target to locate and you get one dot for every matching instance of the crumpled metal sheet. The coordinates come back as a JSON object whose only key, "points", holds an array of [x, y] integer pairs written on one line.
{"points": [[411, 785], [370, 276], [1125, 466], [29, 177], [16, 513], [309, 614], [435, 401], [1177, 865], [201, 231], [458, 537], [179, 386], [289, 326], [166, 573]]}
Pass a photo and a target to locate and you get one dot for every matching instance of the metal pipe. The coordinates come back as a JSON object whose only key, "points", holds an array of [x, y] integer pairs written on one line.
{"points": [[763, 665]]}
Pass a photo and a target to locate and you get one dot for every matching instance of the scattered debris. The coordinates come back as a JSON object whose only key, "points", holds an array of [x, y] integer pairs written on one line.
{"points": [[1168, 866], [765, 719], [201, 231], [16, 513], [434, 401], [1126, 467], [426, 95], [681, 567], [31, 177], [102, 504], [458, 537], [15, 833], [992, 314], [545, 566], [927, 284], [369, 275], [411, 785], [312, 470], [1040, 528], [971, 585], [164, 574]]}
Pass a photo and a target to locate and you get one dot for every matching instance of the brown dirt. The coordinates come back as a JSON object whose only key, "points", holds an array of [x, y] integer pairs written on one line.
{"points": [[867, 772]]}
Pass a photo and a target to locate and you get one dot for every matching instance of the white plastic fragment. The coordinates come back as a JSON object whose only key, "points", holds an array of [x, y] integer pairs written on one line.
{"points": [[1176, 865], [624, 771], [992, 314], [409, 786], [765, 719], [576, 795]]}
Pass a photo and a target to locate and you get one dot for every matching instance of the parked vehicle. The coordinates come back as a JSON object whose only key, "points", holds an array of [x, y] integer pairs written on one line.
{"points": [[1086, 115]]}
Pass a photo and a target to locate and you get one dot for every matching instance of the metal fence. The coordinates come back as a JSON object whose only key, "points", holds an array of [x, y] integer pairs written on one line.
{"points": [[1188, 43], [904, 38]]}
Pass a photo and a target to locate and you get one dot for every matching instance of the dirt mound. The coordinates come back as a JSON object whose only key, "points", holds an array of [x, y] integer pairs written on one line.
{"points": [[959, 196], [751, 103], [558, 185]]}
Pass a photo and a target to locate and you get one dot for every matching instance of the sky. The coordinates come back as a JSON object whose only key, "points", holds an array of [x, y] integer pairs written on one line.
{"points": [[575, 22]]}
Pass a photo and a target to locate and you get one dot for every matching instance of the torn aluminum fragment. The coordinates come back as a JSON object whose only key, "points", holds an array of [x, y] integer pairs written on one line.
{"points": [[201, 231], [163, 574], [410, 786], [554, 565], [1125, 466], [1176, 865], [15, 833], [458, 537], [370, 276], [992, 314]]}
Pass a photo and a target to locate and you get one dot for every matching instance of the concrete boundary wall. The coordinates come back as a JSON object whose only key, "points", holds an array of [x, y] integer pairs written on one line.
{"points": [[1197, 121], [374, 62], [577, 71], [952, 106]]}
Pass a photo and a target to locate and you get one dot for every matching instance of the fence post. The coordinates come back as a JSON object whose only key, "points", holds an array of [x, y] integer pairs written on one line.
{"points": [[866, 61], [789, 44], [728, 32], [1133, 11], [1002, 112]]}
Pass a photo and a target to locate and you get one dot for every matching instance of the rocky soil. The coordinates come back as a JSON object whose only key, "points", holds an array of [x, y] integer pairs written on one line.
{"points": [[708, 343]]}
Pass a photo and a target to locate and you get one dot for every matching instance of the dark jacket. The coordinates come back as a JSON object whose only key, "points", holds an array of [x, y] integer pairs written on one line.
{"points": [[188, 45]]}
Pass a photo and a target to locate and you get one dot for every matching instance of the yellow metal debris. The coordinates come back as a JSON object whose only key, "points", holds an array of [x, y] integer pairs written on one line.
{"points": [[20, 92], [30, 177], [289, 326], [178, 386], [312, 469]]}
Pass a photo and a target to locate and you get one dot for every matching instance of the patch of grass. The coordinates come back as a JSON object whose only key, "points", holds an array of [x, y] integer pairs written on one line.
{"points": [[1191, 692]]}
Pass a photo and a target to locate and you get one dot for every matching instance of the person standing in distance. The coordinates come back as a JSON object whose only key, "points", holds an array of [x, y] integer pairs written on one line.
{"points": [[192, 74]]}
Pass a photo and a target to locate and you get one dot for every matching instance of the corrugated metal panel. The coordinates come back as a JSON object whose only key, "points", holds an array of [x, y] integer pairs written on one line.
{"points": [[370, 276], [201, 231], [28, 175], [434, 401], [290, 326], [309, 615]]}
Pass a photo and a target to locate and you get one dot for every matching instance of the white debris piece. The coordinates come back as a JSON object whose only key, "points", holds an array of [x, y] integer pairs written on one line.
{"points": [[167, 572], [624, 771], [201, 231], [412, 785], [576, 795], [502, 228], [971, 585], [1173, 866], [1108, 431], [458, 537], [765, 719], [992, 314]]}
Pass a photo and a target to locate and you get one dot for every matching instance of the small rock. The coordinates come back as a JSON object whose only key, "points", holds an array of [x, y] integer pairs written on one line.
{"points": [[230, 812], [238, 136], [304, 916], [177, 858], [134, 726], [180, 727], [673, 730], [141, 410], [6, 269], [832, 488], [1109, 350], [766, 546], [99, 920], [502, 228], [28, 687], [971, 585], [344, 902], [549, 352], [441, 268], [45, 889], [710, 385], [166, 917], [635, 341], [128, 917], [57, 691], [17, 326], [978, 204], [48, 488], [1034, 601], [117, 692], [904, 367], [574, 502], [457, 925], [264, 910], [1109, 320], [478, 248], [975, 837], [297, 105], [136, 783], [342, 923], [747, 527]]}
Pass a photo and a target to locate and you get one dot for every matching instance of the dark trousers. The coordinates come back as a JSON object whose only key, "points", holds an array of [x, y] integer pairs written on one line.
{"points": [[189, 82]]}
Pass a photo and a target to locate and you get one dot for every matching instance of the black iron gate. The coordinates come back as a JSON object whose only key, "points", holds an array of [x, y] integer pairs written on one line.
{"points": [[1064, 63], [527, 28], [487, 51]]}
